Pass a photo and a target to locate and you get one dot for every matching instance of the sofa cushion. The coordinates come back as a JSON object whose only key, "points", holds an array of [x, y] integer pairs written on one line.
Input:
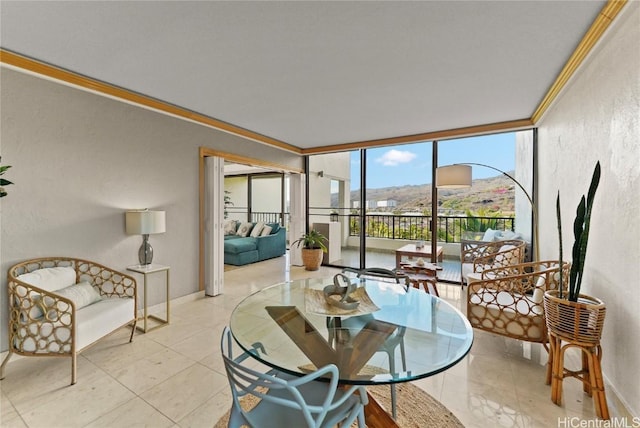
{"points": [[50, 279], [81, 294], [244, 229], [257, 229], [242, 245], [230, 227], [266, 230], [93, 322], [275, 227]]}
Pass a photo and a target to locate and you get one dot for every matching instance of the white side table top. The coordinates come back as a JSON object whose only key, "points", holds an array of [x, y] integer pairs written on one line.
{"points": [[154, 267]]}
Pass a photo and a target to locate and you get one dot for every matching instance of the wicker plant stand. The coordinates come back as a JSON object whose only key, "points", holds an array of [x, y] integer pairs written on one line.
{"points": [[579, 325]]}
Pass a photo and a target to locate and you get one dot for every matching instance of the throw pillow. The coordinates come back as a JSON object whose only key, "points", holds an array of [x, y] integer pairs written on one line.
{"points": [[81, 294], [257, 229], [491, 235], [275, 227], [266, 231], [244, 229], [50, 279], [538, 292], [230, 227], [507, 234]]}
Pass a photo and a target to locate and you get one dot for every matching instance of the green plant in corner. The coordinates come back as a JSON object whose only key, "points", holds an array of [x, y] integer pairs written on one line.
{"points": [[312, 240], [227, 202], [581, 227], [3, 182]]}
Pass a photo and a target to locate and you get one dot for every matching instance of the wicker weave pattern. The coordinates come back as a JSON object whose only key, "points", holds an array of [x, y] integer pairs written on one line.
{"points": [[53, 332], [577, 322], [487, 255], [576, 325], [503, 302]]}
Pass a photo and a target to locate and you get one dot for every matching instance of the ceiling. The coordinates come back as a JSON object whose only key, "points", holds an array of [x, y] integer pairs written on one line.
{"points": [[315, 74]]}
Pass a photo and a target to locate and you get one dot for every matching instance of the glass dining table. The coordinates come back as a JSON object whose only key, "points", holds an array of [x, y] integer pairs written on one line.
{"points": [[394, 334]]}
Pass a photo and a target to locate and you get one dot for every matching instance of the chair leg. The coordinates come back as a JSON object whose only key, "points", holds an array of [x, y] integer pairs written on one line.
{"points": [[393, 400], [74, 362], [133, 329], [4, 363]]}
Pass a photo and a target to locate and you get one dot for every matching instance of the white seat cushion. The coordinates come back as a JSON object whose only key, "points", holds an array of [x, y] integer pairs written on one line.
{"points": [[489, 311]]}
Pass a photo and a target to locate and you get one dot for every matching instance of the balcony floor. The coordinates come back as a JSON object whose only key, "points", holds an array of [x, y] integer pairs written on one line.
{"points": [[387, 259]]}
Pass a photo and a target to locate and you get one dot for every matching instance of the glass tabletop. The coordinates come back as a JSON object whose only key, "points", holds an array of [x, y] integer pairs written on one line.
{"points": [[290, 327]]}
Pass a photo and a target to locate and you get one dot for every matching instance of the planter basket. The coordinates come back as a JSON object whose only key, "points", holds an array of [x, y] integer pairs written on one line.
{"points": [[580, 321], [578, 325], [312, 258]]}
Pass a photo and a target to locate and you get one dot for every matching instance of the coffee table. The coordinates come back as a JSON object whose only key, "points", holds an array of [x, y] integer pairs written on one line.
{"points": [[411, 251]]}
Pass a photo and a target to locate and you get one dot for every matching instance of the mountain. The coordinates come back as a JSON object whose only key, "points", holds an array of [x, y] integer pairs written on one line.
{"points": [[489, 195]]}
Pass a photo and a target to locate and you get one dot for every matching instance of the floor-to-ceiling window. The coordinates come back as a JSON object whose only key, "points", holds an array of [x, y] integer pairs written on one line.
{"points": [[395, 207]]}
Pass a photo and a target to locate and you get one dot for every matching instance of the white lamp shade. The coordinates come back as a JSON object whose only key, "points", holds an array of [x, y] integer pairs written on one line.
{"points": [[453, 176], [144, 222]]}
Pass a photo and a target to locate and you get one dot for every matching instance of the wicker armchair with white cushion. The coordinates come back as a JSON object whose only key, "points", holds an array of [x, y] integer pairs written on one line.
{"points": [[509, 300], [59, 306], [477, 257]]}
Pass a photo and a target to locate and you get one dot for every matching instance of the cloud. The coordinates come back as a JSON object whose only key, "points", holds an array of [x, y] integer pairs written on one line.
{"points": [[396, 157]]}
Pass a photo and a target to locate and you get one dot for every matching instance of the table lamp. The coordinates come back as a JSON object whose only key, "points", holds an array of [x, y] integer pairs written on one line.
{"points": [[145, 222]]}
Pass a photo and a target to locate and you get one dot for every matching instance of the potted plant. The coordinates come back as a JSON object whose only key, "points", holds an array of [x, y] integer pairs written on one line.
{"points": [[4, 182], [570, 312], [312, 249]]}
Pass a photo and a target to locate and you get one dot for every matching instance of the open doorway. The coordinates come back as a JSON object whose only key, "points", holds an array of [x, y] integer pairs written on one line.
{"points": [[249, 191]]}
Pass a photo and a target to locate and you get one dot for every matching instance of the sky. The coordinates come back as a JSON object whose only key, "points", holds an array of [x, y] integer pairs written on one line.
{"points": [[410, 164]]}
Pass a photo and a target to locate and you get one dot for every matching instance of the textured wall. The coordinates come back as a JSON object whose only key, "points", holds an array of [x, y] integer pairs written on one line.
{"points": [[598, 118], [80, 160]]}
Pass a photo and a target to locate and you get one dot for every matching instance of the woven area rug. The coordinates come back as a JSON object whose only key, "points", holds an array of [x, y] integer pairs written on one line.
{"points": [[415, 408]]}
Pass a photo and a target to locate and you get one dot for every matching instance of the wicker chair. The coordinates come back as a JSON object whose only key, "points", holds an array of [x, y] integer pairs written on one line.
{"points": [[50, 315], [509, 300], [476, 257]]}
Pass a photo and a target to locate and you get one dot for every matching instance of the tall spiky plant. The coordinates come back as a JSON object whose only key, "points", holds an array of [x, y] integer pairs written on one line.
{"points": [[581, 227]]}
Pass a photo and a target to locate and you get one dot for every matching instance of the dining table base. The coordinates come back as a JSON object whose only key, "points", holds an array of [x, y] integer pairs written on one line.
{"points": [[376, 416]]}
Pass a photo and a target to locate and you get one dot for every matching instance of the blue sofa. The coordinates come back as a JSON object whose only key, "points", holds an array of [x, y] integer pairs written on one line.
{"points": [[240, 250]]}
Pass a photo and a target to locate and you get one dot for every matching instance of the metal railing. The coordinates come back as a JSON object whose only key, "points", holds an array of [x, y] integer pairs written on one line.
{"points": [[254, 216], [417, 227]]}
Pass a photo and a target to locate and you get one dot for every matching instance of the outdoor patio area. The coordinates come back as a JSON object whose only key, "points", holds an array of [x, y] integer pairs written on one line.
{"points": [[387, 259]]}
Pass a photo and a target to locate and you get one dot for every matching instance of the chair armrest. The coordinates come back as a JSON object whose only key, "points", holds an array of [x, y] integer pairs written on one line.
{"points": [[29, 308], [110, 282]]}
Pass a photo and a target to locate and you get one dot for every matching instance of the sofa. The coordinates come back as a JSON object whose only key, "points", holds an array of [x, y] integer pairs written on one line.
{"points": [[250, 242], [59, 306]]}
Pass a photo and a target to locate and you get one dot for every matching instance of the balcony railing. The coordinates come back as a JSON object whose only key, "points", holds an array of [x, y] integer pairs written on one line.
{"points": [[412, 227], [451, 229]]}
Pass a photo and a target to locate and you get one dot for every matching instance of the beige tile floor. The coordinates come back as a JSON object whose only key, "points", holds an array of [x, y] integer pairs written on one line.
{"points": [[174, 376]]}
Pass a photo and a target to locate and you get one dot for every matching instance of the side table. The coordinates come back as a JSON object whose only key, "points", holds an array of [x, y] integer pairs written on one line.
{"points": [[147, 270]]}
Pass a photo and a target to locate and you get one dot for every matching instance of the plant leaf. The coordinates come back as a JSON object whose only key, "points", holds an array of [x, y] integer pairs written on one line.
{"points": [[559, 218]]}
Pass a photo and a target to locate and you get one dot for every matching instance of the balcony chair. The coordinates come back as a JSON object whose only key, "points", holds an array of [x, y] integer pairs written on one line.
{"points": [[475, 257], [393, 341], [289, 401], [508, 300]]}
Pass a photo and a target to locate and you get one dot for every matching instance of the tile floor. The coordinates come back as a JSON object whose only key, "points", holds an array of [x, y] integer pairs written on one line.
{"points": [[174, 376]]}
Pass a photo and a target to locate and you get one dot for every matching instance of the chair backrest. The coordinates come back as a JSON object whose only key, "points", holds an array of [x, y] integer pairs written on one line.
{"points": [[246, 381]]}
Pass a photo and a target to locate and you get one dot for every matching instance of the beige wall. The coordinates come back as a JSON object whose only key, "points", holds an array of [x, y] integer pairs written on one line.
{"points": [[597, 118], [80, 160]]}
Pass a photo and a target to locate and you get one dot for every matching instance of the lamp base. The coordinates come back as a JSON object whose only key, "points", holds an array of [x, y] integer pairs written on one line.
{"points": [[145, 253]]}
